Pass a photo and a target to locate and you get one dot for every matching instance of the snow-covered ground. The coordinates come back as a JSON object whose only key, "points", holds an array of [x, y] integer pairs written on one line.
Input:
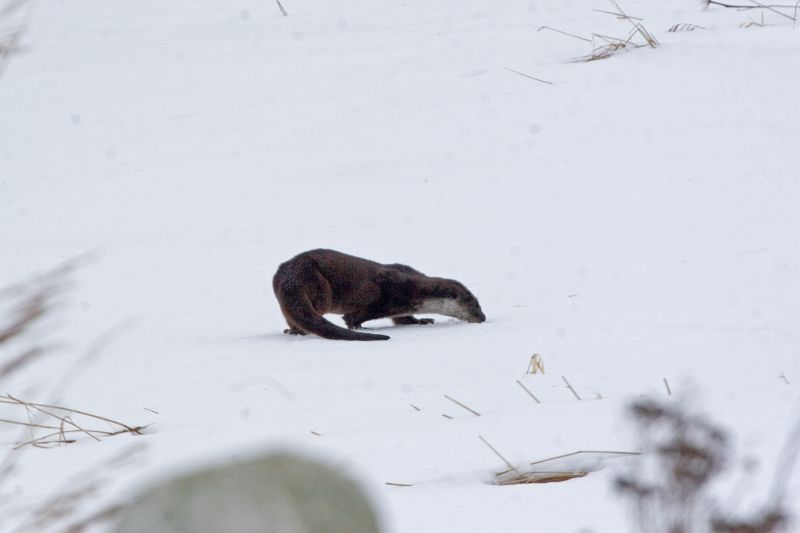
{"points": [[636, 219]]}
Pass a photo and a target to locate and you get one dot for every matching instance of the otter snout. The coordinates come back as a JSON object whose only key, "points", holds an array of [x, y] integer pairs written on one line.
{"points": [[477, 318]]}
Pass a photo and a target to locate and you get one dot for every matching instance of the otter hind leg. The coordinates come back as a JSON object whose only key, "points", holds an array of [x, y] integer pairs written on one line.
{"points": [[354, 320], [294, 331], [409, 320]]}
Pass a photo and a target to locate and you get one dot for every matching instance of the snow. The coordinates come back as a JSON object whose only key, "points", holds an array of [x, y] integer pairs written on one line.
{"points": [[636, 220]]}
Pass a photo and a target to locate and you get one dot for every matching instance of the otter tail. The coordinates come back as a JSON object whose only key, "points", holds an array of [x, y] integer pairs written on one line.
{"points": [[310, 321]]}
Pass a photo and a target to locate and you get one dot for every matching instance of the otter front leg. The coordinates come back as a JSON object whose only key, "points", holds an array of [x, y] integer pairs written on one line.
{"points": [[410, 320], [294, 331]]}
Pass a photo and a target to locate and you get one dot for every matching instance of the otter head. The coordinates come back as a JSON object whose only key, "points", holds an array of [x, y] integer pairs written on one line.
{"points": [[451, 298]]}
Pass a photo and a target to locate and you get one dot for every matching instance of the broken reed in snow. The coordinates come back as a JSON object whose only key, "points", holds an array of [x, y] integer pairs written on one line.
{"points": [[514, 476], [498, 454], [61, 421], [529, 478], [524, 478]]}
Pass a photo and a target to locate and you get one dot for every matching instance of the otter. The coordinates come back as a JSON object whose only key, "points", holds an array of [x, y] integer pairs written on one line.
{"points": [[317, 282]]}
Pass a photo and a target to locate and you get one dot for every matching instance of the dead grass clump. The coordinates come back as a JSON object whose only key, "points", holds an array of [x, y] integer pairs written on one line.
{"points": [[62, 424], [604, 46]]}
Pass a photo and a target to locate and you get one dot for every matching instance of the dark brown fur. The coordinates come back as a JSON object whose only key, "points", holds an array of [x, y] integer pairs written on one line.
{"points": [[317, 282]]}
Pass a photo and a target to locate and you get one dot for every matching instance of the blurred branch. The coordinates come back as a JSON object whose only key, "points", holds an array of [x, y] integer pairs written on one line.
{"points": [[9, 43]]}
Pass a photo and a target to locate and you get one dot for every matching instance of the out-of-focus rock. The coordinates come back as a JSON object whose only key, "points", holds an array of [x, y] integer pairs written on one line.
{"points": [[277, 493]]}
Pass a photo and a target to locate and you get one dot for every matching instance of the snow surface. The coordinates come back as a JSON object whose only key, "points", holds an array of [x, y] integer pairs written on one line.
{"points": [[636, 220]]}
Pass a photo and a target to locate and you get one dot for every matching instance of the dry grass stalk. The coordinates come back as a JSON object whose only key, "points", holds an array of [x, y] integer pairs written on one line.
{"points": [[666, 384], [584, 452], [528, 391], [498, 454], [529, 76], [570, 388], [280, 6], [796, 7], [9, 44], [550, 28], [28, 305], [754, 4], [618, 15], [774, 10], [17, 362], [473, 411]]}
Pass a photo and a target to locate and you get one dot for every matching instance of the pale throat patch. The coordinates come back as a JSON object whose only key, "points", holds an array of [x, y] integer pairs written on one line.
{"points": [[443, 306]]}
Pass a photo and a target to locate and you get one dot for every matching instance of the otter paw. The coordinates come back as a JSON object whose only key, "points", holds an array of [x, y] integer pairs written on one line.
{"points": [[426, 321]]}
